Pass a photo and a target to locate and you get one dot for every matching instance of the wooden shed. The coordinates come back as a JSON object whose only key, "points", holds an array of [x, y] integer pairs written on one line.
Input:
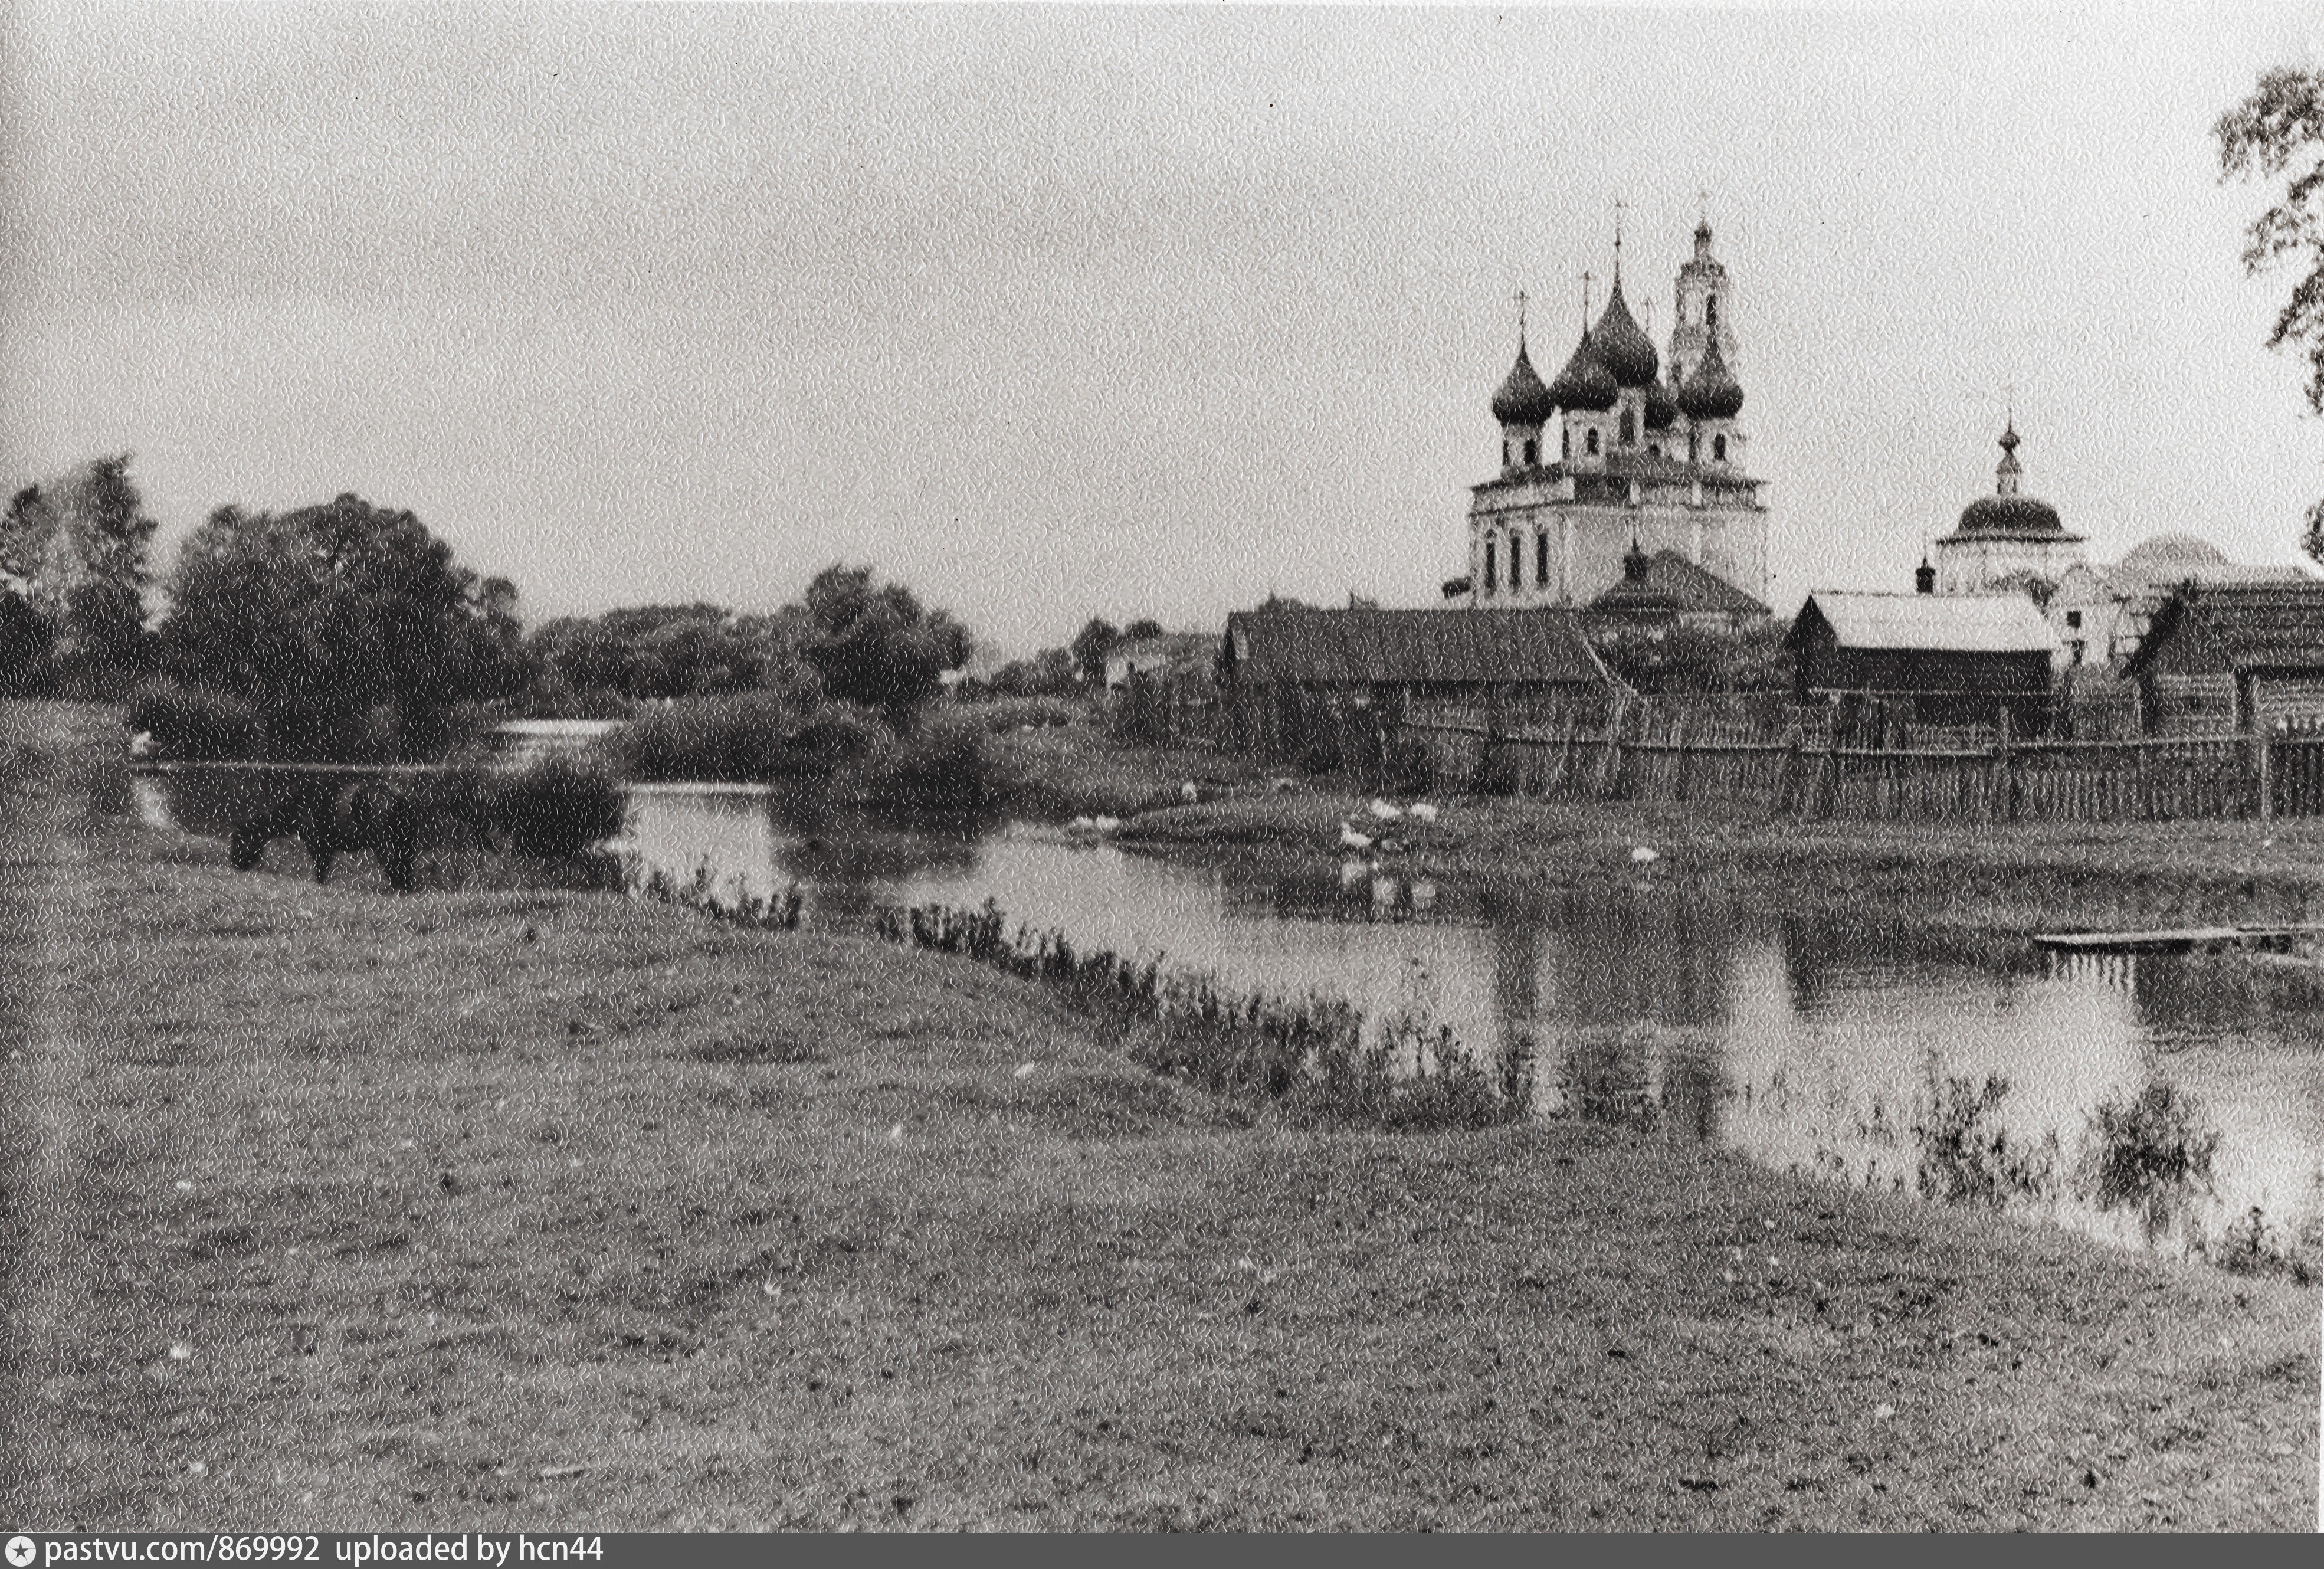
{"points": [[1388, 657], [1946, 659], [2243, 657]]}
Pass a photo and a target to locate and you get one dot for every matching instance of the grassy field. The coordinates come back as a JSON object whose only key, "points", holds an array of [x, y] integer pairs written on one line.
{"points": [[329, 1208]]}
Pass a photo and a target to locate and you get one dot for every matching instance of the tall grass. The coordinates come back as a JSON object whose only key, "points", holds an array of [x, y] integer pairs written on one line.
{"points": [[1311, 1056]]}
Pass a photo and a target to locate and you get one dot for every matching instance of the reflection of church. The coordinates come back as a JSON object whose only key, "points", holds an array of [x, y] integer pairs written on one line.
{"points": [[1637, 459]]}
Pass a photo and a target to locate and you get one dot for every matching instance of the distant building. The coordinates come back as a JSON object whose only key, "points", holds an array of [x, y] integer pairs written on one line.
{"points": [[2008, 542], [1388, 657], [1952, 659], [2233, 657], [1173, 653], [1666, 590], [2102, 612], [1636, 458]]}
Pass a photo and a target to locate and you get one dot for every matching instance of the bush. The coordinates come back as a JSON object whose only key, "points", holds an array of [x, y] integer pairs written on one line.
{"points": [[2145, 1152], [195, 723], [942, 763], [745, 738], [558, 807]]}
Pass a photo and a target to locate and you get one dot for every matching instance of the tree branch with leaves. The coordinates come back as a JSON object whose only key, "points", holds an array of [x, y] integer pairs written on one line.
{"points": [[2279, 132]]}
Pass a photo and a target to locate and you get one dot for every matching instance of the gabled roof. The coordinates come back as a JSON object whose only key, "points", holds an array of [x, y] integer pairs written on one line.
{"points": [[2273, 626], [1696, 590], [1363, 647], [2000, 623]]}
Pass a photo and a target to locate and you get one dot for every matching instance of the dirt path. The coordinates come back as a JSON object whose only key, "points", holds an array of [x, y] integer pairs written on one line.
{"points": [[45, 922]]}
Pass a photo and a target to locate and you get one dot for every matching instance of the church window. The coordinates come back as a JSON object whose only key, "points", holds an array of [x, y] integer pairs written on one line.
{"points": [[1489, 565], [2074, 619], [1694, 447], [1711, 310], [1508, 454], [1653, 449], [1541, 560], [1589, 441], [1565, 442], [1718, 449], [1629, 428], [1516, 559], [1533, 453]]}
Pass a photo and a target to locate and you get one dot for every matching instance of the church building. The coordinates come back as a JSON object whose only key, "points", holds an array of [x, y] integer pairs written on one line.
{"points": [[1640, 462]]}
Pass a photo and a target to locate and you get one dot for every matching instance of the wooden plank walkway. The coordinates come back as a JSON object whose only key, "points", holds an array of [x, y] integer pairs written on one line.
{"points": [[2184, 940]]}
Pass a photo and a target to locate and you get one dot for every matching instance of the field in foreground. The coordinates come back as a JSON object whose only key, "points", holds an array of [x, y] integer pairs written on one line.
{"points": [[330, 1208]]}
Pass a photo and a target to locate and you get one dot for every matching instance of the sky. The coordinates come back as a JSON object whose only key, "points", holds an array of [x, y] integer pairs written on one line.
{"points": [[1054, 312]]}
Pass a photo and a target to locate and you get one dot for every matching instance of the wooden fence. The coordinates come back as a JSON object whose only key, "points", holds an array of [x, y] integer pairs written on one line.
{"points": [[1808, 776]]}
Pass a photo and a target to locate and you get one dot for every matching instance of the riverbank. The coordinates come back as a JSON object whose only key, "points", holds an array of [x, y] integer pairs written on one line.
{"points": [[2012, 878], [548, 1210]]}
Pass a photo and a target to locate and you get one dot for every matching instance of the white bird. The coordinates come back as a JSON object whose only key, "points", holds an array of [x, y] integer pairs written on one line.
{"points": [[1105, 825], [1644, 856], [1387, 811], [1421, 811], [141, 744], [1352, 871], [1351, 839], [1190, 791], [1083, 824]]}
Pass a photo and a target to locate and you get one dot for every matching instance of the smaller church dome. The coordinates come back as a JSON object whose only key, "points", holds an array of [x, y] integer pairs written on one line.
{"points": [[1522, 399], [1662, 409], [1712, 392], [2006, 512], [1628, 351], [1585, 382]]}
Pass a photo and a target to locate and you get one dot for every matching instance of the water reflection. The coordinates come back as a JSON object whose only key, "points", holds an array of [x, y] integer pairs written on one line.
{"points": [[1685, 1010]]}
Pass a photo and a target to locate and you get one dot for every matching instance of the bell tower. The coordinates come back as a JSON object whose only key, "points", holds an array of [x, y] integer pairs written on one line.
{"points": [[1703, 308]]}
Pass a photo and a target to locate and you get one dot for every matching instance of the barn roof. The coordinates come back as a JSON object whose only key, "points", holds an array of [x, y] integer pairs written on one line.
{"points": [[1999, 623], [2258, 625], [1696, 590], [1364, 647]]}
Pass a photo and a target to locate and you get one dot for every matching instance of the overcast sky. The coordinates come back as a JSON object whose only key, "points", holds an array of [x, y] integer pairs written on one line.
{"points": [[1056, 312]]}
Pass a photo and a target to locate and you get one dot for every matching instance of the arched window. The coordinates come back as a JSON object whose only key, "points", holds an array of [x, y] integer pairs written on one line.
{"points": [[1718, 449], [1516, 559], [1541, 560], [1509, 453], [1694, 447], [1533, 453], [1489, 565], [1629, 428], [1711, 310], [1589, 441], [1565, 442], [1653, 449]]}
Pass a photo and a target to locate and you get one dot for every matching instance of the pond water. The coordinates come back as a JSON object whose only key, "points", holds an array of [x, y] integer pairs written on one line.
{"points": [[1684, 1011]]}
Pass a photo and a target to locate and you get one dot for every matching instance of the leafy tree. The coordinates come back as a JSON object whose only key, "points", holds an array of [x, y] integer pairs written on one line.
{"points": [[875, 645], [1089, 648], [2279, 129], [1051, 673], [1137, 631], [77, 546], [349, 627]]}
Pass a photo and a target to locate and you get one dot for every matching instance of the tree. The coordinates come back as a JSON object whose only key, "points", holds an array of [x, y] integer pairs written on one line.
{"points": [[349, 627], [1140, 630], [874, 645], [2279, 129], [77, 548], [1089, 648]]}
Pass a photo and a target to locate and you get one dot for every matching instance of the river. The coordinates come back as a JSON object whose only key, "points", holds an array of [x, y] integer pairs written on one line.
{"points": [[1685, 1010]]}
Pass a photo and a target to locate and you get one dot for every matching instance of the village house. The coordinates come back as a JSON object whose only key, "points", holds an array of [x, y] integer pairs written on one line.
{"points": [[1942, 659], [2233, 657], [1667, 590], [2101, 612], [1172, 654], [1387, 660]]}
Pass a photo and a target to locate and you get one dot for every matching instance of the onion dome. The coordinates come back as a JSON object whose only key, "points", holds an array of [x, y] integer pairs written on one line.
{"points": [[1712, 392], [2005, 511], [1523, 400], [1662, 409], [1625, 349], [1585, 382]]}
